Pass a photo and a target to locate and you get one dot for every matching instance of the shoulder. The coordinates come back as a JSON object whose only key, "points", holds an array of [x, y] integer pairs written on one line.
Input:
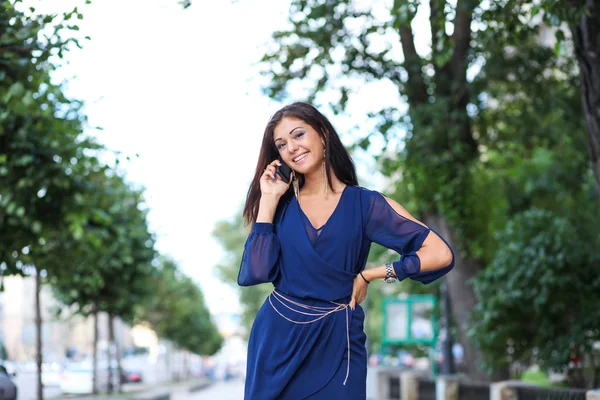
{"points": [[367, 195], [378, 203]]}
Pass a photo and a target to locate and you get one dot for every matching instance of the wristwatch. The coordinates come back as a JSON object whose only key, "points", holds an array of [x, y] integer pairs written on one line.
{"points": [[389, 274]]}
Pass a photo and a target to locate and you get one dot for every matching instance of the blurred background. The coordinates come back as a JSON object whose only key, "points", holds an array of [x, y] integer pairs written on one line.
{"points": [[130, 131]]}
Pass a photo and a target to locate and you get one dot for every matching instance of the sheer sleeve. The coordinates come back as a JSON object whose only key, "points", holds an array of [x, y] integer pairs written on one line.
{"points": [[384, 226], [260, 260]]}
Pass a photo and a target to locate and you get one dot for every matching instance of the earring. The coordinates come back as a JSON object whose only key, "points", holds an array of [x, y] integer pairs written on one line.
{"points": [[296, 185], [325, 171]]}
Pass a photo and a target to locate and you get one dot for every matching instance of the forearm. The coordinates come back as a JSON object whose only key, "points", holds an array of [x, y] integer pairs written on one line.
{"points": [[372, 274], [267, 207]]}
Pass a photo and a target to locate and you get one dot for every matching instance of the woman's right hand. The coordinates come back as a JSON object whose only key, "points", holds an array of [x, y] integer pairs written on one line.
{"points": [[271, 183]]}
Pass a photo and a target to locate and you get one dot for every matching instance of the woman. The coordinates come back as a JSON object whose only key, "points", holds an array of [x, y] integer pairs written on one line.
{"points": [[312, 241]]}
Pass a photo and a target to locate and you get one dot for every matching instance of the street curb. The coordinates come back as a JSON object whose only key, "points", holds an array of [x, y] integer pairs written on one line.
{"points": [[199, 387], [162, 391]]}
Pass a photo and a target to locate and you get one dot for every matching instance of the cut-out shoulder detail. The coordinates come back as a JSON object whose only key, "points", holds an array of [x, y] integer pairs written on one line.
{"points": [[401, 211]]}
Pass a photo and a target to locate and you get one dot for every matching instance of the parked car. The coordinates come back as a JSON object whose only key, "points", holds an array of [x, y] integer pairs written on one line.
{"points": [[10, 367], [8, 389], [131, 376], [77, 377]]}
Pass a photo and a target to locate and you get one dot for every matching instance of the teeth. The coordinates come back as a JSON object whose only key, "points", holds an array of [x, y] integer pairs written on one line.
{"points": [[301, 157]]}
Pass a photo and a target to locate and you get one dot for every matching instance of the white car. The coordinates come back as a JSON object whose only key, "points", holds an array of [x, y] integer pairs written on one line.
{"points": [[77, 377], [10, 367]]}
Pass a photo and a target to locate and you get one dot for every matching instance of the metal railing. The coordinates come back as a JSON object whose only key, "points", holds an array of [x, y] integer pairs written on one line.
{"points": [[539, 393]]}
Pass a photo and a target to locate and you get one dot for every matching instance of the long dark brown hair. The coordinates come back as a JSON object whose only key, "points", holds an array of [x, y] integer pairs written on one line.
{"points": [[337, 157]]}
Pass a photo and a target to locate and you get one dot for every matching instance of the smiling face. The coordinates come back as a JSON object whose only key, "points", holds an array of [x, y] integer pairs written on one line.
{"points": [[299, 145]]}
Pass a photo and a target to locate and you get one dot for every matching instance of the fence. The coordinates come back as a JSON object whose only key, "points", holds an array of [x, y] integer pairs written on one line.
{"points": [[536, 393], [406, 385]]}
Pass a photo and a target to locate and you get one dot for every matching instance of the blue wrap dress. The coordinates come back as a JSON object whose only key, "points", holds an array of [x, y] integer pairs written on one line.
{"points": [[306, 342]]}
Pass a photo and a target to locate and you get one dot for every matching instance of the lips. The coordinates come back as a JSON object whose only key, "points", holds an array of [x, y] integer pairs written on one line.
{"points": [[300, 157]]}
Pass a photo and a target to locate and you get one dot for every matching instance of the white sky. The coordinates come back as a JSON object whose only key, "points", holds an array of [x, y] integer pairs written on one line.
{"points": [[181, 89]]}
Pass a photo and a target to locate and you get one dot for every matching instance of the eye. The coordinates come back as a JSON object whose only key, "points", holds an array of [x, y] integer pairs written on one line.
{"points": [[280, 146], [299, 134]]}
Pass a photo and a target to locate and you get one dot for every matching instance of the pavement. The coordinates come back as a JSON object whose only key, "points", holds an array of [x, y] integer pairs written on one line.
{"points": [[185, 390], [202, 388]]}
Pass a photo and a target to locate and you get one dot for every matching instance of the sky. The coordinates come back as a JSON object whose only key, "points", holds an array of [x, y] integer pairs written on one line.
{"points": [[179, 92]]}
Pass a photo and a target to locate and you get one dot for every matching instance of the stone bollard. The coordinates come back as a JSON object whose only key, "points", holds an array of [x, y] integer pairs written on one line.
{"points": [[593, 395], [388, 384], [502, 391], [446, 388], [409, 386]]}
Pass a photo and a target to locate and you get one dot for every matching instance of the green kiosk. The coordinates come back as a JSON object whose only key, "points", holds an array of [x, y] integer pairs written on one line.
{"points": [[410, 320]]}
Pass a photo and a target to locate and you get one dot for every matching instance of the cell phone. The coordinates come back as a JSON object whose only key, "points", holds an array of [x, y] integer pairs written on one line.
{"points": [[284, 171]]}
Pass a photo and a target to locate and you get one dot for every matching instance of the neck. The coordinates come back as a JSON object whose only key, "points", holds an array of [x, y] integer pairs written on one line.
{"points": [[315, 182]]}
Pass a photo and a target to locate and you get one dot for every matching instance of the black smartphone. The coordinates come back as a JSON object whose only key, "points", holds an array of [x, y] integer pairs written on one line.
{"points": [[284, 171]]}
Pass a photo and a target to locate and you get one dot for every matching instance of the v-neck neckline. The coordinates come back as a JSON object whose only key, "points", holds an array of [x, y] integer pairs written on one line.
{"points": [[320, 229]]}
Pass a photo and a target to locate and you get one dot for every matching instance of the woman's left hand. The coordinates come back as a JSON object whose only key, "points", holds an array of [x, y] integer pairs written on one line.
{"points": [[359, 291]]}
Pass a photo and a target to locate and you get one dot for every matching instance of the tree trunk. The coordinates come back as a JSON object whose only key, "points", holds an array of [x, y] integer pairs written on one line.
{"points": [[462, 299], [118, 357], [111, 340], [168, 363], [38, 330], [186, 365], [95, 355], [586, 40]]}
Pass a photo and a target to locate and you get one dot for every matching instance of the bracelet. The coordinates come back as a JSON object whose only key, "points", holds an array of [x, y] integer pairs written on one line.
{"points": [[366, 280]]}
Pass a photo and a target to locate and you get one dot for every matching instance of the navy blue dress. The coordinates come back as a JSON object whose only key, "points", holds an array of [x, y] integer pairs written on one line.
{"points": [[306, 342]]}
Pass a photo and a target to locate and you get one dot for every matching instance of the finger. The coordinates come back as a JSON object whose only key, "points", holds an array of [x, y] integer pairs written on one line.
{"points": [[274, 163], [352, 303], [268, 174]]}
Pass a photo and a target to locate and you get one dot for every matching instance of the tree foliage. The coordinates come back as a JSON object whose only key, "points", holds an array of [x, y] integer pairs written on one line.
{"points": [[232, 235], [477, 134], [177, 310], [75, 219]]}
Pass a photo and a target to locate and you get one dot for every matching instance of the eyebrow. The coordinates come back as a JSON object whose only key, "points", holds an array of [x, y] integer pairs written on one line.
{"points": [[292, 131]]}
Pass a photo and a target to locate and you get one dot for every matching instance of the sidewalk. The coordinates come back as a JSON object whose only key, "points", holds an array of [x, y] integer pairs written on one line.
{"points": [[165, 391]]}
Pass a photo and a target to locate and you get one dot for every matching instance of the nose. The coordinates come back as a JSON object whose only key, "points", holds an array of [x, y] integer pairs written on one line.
{"points": [[292, 146]]}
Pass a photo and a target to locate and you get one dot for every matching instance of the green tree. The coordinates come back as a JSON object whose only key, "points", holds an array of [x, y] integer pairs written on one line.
{"points": [[44, 155], [583, 19], [177, 310], [535, 156], [538, 299], [114, 256]]}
